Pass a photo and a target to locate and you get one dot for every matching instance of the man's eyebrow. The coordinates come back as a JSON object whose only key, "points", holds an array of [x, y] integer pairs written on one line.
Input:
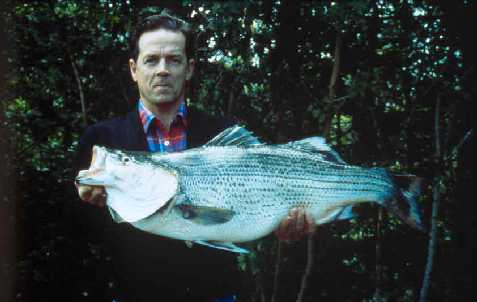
{"points": [[149, 56], [170, 55], [173, 52]]}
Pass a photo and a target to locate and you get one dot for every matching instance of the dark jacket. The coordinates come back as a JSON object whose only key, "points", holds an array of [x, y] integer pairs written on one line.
{"points": [[150, 267]]}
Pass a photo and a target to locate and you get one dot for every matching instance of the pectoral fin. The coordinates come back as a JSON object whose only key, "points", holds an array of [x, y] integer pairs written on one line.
{"points": [[228, 246], [115, 216], [205, 215]]}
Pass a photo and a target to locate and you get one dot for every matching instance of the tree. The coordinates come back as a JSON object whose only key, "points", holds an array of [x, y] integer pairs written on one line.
{"points": [[367, 75]]}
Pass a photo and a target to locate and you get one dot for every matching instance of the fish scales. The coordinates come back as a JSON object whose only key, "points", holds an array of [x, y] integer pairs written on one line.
{"points": [[237, 176], [224, 192]]}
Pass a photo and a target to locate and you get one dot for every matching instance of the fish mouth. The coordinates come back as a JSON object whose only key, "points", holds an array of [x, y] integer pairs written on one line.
{"points": [[95, 175], [91, 178]]}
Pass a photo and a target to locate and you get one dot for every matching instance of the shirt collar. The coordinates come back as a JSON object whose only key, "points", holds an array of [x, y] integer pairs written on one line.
{"points": [[147, 117]]}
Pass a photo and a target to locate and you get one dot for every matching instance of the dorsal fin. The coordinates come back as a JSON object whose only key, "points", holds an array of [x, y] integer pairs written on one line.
{"points": [[317, 144], [234, 136]]}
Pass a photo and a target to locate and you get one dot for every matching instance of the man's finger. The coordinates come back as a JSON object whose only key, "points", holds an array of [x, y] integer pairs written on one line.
{"points": [[95, 195], [290, 225], [283, 229], [104, 197], [85, 192], [310, 223], [98, 196], [300, 224], [293, 224]]}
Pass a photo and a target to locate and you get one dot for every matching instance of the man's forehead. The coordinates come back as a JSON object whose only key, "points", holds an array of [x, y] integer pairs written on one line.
{"points": [[162, 40]]}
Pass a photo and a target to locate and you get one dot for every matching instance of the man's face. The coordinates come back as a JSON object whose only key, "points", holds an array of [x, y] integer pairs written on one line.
{"points": [[162, 68]]}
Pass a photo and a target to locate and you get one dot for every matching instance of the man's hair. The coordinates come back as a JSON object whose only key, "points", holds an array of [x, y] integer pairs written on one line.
{"points": [[164, 20]]}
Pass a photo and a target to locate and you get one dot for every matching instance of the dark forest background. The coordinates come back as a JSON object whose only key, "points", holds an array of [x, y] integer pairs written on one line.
{"points": [[388, 83]]}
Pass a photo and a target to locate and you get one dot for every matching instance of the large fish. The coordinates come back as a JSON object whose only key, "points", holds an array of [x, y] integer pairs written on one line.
{"points": [[236, 189]]}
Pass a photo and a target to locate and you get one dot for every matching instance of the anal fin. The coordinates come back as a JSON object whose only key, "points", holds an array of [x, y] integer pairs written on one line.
{"points": [[227, 246], [339, 213], [345, 213]]}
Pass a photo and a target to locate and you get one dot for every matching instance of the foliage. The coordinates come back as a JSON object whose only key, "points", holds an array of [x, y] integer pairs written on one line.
{"points": [[365, 74]]}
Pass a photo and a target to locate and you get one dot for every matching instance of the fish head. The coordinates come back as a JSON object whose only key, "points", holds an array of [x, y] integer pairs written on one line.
{"points": [[136, 185]]}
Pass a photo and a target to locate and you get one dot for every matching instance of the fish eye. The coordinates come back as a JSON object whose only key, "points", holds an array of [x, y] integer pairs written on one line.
{"points": [[125, 159]]}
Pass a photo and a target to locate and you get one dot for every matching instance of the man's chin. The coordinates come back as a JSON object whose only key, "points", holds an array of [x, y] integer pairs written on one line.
{"points": [[165, 101]]}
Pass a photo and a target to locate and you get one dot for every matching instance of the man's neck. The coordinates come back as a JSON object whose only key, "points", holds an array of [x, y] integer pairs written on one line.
{"points": [[165, 112]]}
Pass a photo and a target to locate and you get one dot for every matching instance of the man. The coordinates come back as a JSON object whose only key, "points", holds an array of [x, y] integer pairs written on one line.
{"points": [[149, 267]]}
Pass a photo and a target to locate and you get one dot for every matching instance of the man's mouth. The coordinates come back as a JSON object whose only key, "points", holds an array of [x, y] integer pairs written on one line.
{"points": [[161, 85]]}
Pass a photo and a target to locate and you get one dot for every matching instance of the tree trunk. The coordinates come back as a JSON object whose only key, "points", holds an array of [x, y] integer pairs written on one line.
{"points": [[435, 205], [309, 267], [276, 278], [230, 103], [378, 294], [285, 69], [432, 239]]}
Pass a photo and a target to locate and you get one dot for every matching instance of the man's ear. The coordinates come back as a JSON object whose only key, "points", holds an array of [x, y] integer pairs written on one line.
{"points": [[190, 69], [132, 69]]}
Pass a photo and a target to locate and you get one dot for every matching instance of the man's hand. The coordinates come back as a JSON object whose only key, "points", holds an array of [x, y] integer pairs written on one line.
{"points": [[95, 195], [296, 225]]}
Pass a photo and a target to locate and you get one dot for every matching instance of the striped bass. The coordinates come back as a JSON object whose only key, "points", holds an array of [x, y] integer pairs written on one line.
{"points": [[237, 189]]}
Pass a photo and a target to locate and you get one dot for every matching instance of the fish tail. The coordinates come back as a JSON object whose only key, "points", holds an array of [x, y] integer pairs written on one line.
{"points": [[404, 204]]}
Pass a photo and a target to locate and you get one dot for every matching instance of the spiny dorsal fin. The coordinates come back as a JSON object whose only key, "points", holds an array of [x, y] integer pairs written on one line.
{"points": [[234, 136], [318, 145]]}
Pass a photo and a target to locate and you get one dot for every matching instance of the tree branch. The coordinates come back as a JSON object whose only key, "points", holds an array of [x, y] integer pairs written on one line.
{"points": [[309, 267], [336, 68], [331, 87], [457, 147], [230, 103], [276, 278], [437, 131], [80, 87]]}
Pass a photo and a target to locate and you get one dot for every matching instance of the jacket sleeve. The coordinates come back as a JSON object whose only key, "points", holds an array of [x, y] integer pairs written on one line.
{"points": [[88, 222], [84, 150]]}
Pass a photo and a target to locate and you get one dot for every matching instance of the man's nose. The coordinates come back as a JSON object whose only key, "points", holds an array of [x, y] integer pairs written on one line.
{"points": [[162, 68]]}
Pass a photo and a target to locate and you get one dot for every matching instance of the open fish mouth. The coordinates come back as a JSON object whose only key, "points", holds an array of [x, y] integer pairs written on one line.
{"points": [[91, 178], [96, 174]]}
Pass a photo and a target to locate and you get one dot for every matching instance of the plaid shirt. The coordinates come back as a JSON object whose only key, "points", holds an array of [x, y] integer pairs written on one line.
{"points": [[158, 138]]}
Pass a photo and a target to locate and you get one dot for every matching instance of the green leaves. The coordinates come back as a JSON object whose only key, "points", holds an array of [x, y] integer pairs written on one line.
{"points": [[268, 65]]}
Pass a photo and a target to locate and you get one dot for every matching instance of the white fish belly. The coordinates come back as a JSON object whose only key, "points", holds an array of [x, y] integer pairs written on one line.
{"points": [[260, 186]]}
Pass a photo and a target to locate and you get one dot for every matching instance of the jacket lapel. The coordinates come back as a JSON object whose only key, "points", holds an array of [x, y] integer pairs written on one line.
{"points": [[135, 136]]}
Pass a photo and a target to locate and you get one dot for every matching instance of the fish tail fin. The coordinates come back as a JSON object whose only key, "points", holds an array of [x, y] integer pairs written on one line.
{"points": [[405, 205]]}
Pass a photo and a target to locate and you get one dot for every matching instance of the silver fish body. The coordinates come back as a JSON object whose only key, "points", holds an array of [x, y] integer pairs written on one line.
{"points": [[236, 189]]}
